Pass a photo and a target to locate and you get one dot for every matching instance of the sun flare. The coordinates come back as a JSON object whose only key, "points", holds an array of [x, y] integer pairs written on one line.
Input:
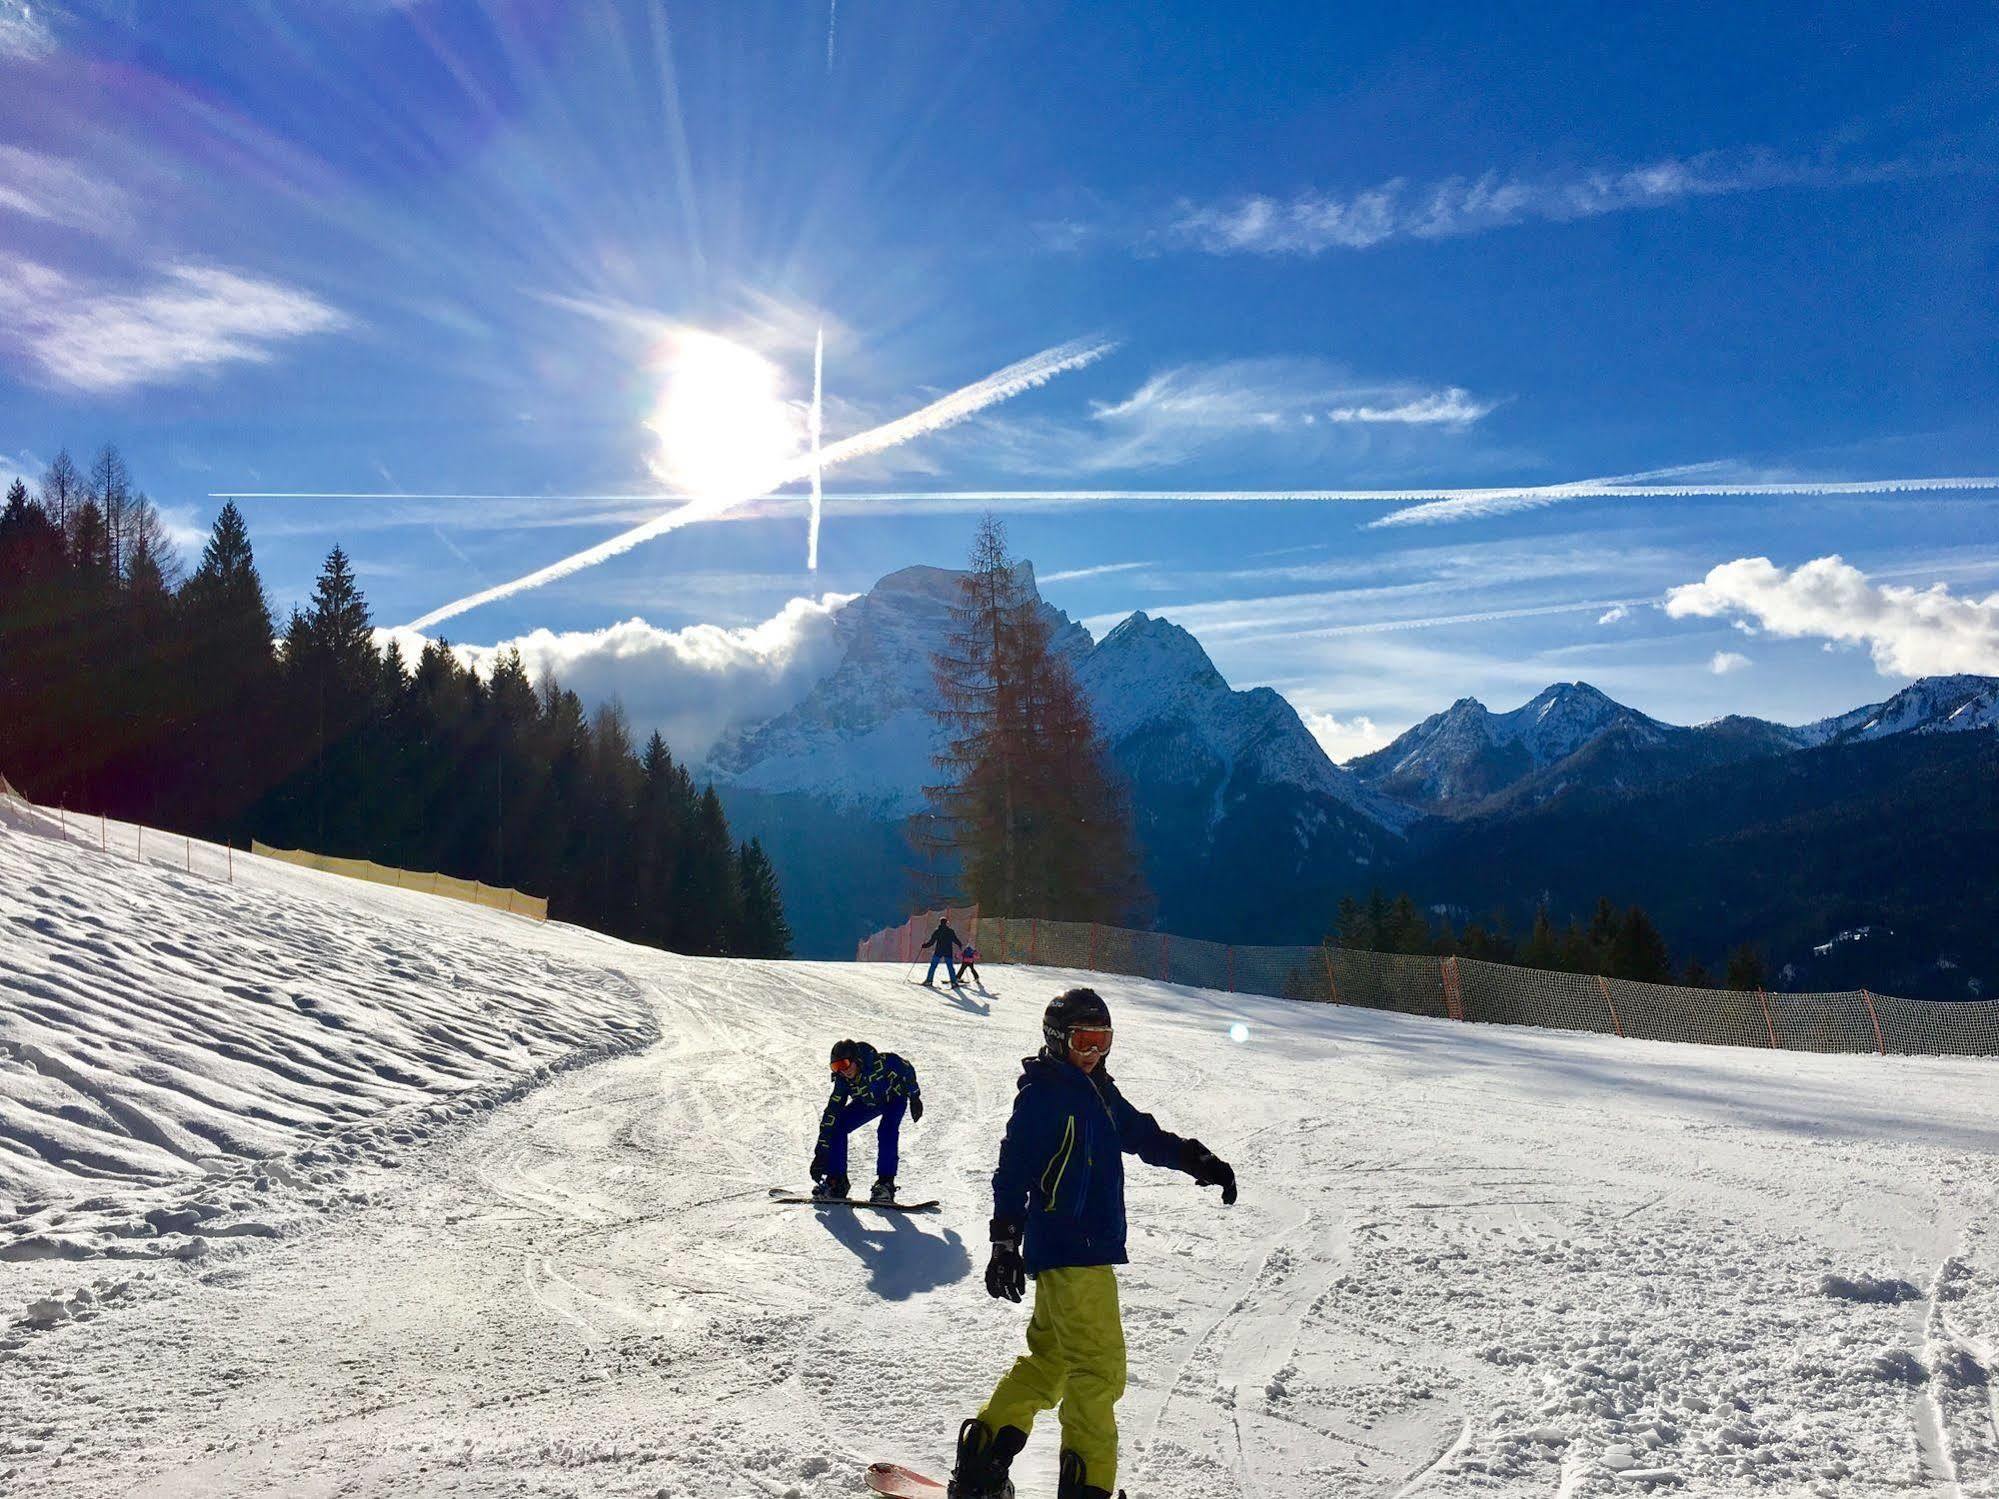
{"points": [[725, 430]]}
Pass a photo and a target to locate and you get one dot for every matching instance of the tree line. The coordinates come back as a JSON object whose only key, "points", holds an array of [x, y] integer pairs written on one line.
{"points": [[174, 701], [1030, 818], [1618, 944]]}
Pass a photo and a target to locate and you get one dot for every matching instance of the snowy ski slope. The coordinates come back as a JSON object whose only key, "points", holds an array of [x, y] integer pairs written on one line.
{"points": [[1467, 1260]]}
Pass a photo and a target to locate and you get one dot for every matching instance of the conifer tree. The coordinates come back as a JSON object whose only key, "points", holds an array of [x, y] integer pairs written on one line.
{"points": [[765, 933], [1638, 951], [1745, 969]]}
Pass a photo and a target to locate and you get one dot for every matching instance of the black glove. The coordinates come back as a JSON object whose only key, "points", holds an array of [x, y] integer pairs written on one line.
{"points": [[1208, 1170], [819, 1163], [916, 1108], [1006, 1274]]}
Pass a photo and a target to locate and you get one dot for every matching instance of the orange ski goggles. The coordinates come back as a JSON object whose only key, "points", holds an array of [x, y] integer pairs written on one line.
{"points": [[1091, 1041], [846, 1067]]}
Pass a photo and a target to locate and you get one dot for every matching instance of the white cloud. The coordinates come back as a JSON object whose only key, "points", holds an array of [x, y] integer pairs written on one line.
{"points": [[691, 684], [1342, 739], [1181, 411], [59, 192], [24, 31], [1614, 615], [1313, 222], [1075, 573], [1724, 662], [196, 319], [1910, 632], [1451, 408]]}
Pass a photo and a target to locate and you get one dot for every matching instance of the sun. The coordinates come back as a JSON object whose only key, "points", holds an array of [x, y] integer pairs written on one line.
{"points": [[725, 430]]}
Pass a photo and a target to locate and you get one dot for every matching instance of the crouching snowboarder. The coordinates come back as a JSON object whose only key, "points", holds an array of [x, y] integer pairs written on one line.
{"points": [[867, 1084], [1058, 1216]]}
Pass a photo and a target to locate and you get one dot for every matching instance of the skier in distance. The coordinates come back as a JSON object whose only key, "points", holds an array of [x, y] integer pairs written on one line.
{"points": [[944, 942], [968, 962], [867, 1084], [1058, 1216]]}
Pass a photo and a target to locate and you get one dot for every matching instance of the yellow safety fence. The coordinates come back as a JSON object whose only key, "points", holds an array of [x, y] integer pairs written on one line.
{"points": [[493, 897]]}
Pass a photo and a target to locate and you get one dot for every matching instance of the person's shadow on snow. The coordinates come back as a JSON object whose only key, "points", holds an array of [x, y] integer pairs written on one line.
{"points": [[965, 1001], [901, 1259]]}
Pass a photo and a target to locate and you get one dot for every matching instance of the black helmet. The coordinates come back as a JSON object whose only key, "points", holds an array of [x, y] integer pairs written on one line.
{"points": [[849, 1051], [1068, 1010]]}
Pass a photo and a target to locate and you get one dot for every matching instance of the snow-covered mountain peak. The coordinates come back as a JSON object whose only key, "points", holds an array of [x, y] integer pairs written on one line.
{"points": [[1159, 651], [1954, 704]]}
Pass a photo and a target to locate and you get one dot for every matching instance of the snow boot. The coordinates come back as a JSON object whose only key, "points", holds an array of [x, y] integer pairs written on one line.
{"points": [[1075, 1485], [830, 1188], [883, 1190], [984, 1456]]}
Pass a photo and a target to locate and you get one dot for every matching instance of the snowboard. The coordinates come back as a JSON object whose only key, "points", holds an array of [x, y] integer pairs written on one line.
{"points": [[785, 1194], [902, 1483]]}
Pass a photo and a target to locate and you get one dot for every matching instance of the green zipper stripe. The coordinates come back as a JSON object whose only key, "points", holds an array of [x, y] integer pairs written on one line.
{"points": [[1058, 1164]]}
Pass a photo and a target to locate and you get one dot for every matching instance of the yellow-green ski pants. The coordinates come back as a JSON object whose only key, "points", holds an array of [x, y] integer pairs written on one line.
{"points": [[1074, 1359]]}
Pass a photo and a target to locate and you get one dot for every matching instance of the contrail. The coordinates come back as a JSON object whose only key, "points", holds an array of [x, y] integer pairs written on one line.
{"points": [[1038, 369], [832, 20], [1477, 505], [814, 426]]}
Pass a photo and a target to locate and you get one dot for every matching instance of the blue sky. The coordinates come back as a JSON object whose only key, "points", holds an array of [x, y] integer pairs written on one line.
{"points": [[546, 250]]}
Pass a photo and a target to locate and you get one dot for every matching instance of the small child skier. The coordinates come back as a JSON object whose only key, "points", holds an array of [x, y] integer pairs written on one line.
{"points": [[943, 942], [968, 962], [1058, 1216], [867, 1084]]}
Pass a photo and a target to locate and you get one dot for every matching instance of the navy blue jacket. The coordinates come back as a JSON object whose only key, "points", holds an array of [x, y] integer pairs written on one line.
{"points": [[943, 939], [1061, 1165], [880, 1078]]}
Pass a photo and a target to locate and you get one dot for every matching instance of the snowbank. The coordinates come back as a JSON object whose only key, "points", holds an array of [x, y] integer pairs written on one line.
{"points": [[174, 1047]]}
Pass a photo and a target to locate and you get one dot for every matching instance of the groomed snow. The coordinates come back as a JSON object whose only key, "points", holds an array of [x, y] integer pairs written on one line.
{"points": [[1467, 1260]]}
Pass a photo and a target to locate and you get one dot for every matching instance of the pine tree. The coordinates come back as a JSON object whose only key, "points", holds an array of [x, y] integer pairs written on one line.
{"points": [[1745, 969], [1603, 926], [110, 489], [62, 492], [1350, 928], [1541, 949], [1696, 976], [1638, 951], [1408, 928], [765, 933], [1036, 821]]}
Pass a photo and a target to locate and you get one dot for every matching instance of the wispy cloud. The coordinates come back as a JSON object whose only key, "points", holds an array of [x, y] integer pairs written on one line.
{"points": [[1071, 575], [1614, 616], [1023, 375], [1313, 222], [1184, 410], [1724, 662], [58, 191], [194, 319], [25, 32], [1910, 632], [1449, 408]]}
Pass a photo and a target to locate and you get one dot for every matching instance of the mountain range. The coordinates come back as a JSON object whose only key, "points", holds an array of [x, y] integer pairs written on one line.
{"points": [[1248, 831]]}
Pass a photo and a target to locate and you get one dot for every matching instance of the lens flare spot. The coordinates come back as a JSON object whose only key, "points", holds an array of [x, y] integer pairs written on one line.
{"points": [[1238, 1033]]}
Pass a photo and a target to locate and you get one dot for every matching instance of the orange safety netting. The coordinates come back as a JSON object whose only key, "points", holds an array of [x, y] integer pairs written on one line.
{"points": [[1467, 989]]}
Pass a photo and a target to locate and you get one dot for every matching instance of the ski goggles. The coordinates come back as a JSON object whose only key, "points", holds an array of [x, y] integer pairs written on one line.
{"points": [[846, 1067], [1090, 1040]]}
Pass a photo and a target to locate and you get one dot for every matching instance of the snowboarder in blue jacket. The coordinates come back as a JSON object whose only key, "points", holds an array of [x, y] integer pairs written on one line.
{"points": [[1058, 1216], [867, 1084]]}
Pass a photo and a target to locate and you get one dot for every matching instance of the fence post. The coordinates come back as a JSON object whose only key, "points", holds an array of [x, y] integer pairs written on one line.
{"points": [[1231, 968], [1034, 941], [62, 816], [1880, 1047], [1768, 1024], [1603, 987], [187, 848], [231, 846], [103, 834], [1093, 947], [140, 844], [1332, 984], [1164, 959], [1454, 1005]]}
